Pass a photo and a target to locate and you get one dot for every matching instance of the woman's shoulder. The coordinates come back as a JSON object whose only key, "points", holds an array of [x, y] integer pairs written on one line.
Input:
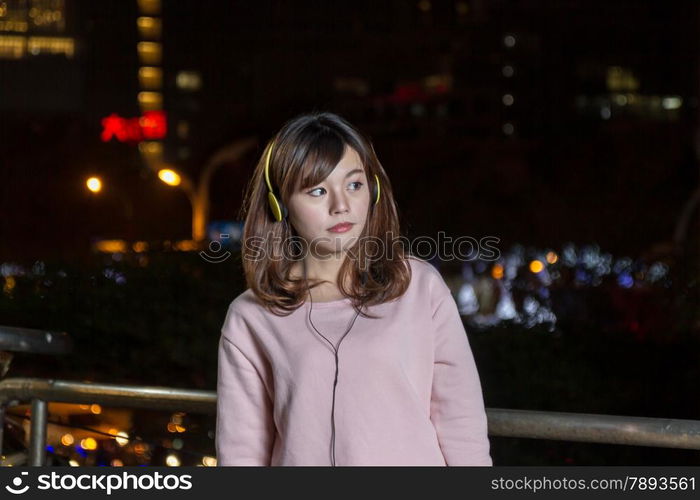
{"points": [[244, 308], [426, 278], [245, 304]]}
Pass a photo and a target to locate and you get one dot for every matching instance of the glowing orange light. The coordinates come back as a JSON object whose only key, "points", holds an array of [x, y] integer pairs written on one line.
{"points": [[497, 272], [552, 257], [94, 184], [536, 266], [170, 177], [88, 443]]}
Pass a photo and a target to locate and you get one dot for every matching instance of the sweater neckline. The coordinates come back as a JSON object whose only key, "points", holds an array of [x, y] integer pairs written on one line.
{"points": [[330, 303]]}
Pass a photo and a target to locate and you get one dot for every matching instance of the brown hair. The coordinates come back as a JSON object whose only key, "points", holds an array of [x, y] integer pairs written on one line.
{"points": [[305, 151]]}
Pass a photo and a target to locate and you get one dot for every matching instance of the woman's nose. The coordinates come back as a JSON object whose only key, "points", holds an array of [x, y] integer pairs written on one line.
{"points": [[339, 203]]}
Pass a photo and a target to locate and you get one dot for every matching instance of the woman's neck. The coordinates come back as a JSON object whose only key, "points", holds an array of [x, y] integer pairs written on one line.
{"points": [[326, 270]]}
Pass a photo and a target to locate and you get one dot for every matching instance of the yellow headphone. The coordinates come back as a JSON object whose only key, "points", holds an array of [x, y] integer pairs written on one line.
{"points": [[279, 211]]}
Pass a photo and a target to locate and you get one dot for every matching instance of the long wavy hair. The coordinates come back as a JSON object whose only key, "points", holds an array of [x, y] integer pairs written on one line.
{"points": [[306, 150]]}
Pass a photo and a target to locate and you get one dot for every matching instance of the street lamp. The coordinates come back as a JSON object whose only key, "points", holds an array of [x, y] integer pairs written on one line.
{"points": [[94, 184], [199, 194], [170, 177]]}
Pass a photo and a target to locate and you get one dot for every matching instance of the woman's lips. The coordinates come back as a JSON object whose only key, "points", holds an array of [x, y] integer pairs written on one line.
{"points": [[341, 228]]}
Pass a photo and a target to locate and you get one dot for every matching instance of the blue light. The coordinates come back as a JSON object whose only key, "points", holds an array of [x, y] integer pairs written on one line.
{"points": [[625, 280], [581, 276]]}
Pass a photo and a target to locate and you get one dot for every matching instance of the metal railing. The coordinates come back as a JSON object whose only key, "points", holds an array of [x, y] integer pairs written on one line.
{"points": [[610, 429]]}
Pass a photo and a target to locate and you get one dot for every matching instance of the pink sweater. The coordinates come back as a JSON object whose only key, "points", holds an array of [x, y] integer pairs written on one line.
{"points": [[408, 390]]}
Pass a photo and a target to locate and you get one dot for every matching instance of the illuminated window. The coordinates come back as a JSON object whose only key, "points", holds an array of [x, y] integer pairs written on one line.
{"points": [[18, 26], [150, 77], [12, 47], [150, 101], [151, 150], [47, 15], [39, 15], [150, 53], [51, 45], [13, 16], [149, 6], [671, 102], [188, 80], [149, 27], [621, 79]]}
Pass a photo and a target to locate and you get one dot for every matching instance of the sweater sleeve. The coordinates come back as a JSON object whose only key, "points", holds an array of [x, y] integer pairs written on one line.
{"points": [[457, 405], [245, 429]]}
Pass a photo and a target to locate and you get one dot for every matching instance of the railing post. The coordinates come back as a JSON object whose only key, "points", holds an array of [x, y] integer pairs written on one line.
{"points": [[2, 426], [37, 433]]}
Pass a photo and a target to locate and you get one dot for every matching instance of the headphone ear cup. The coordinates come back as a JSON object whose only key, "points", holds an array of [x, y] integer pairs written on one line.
{"points": [[275, 206]]}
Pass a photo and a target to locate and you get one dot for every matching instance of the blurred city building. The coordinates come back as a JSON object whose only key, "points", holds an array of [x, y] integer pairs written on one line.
{"points": [[517, 114]]}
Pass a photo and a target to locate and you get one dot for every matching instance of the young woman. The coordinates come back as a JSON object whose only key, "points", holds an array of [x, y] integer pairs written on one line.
{"points": [[344, 349]]}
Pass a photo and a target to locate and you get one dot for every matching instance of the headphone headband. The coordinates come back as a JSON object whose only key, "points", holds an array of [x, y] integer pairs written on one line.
{"points": [[279, 211]]}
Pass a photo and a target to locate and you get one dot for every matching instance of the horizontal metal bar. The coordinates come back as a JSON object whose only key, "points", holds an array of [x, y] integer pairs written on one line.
{"points": [[127, 396], [583, 427], [34, 341], [592, 428]]}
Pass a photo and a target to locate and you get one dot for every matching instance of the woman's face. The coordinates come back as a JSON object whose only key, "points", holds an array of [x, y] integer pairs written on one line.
{"points": [[343, 196]]}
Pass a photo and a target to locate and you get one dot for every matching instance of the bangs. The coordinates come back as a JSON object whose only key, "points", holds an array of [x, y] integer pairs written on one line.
{"points": [[323, 154]]}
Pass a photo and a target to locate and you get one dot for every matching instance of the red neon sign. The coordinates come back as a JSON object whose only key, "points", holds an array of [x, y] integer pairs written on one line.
{"points": [[152, 125]]}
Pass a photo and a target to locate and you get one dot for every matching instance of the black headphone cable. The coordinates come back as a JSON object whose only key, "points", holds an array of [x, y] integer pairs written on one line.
{"points": [[335, 351]]}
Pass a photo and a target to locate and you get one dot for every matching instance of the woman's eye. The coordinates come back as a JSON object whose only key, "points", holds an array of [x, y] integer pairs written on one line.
{"points": [[358, 185]]}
